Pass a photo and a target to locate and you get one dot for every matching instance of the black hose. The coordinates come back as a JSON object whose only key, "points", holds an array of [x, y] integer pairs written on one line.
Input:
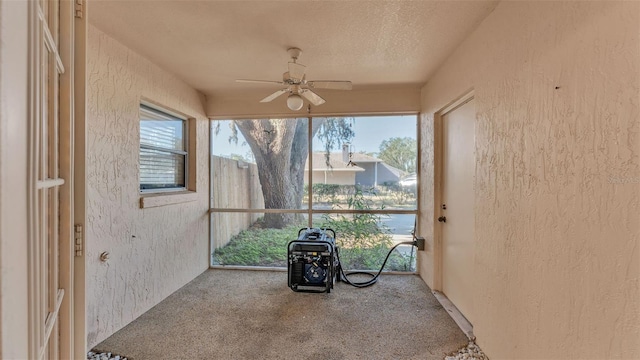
{"points": [[374, 277]]}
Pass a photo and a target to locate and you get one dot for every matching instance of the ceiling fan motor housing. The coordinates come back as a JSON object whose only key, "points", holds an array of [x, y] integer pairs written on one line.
{"points": [[287, 79]]}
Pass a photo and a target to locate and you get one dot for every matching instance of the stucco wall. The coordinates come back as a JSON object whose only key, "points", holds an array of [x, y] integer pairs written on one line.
{"points": [[14, 114], [557, 185], [360, 100], [153, 251], [427, 260]]}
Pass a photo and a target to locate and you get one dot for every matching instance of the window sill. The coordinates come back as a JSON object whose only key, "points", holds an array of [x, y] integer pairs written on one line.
{"points": [[163, 199]]}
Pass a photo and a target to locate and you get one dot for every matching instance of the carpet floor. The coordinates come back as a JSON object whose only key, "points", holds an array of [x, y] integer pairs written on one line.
{"points": [[234, 314]]}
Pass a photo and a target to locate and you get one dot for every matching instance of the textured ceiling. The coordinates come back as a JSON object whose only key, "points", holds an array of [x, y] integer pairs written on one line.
{"points": [[209, 44]]}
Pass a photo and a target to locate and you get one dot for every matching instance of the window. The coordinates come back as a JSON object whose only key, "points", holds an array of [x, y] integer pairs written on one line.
{"points": [[163, 151], [355, 175]]}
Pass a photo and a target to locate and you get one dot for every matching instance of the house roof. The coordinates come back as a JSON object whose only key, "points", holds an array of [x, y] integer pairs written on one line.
{"points": [[394, 170], [335, 163], [359, 157]]}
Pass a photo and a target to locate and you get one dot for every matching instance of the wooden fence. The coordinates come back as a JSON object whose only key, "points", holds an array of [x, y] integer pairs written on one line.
{"points": [[235, 186]]}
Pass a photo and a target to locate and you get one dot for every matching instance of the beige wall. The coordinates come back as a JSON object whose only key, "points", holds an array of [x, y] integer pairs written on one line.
{"points": [[359, 101], [428, 261], [557, 177], [13, 176], [235, 185], [332, 177], [153, 251]]}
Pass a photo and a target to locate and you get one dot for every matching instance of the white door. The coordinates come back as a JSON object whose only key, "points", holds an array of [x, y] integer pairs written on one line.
{"points": [[458, 206]]}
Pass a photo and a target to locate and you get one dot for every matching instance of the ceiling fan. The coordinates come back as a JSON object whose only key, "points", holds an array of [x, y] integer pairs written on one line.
{"points": [[297, 85]]}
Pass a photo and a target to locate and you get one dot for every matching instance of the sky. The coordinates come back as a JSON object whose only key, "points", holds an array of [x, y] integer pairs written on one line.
{"points": [[370, 132]]}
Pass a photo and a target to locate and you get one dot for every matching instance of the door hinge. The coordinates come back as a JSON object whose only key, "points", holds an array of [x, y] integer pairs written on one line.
{"points": [[79, 8], [78, 239]]}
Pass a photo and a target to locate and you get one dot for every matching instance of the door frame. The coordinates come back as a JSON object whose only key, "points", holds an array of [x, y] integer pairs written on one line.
{"points": [[78, 42], [438, 144], [69, 53]]}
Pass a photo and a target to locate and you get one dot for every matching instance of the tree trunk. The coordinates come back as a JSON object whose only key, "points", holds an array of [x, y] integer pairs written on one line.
{"points": [[299, 154], [280, 148]]}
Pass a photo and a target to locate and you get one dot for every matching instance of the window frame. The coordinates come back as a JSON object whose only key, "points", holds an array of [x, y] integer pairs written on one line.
{"points": [[173, 116], [309, 210]]}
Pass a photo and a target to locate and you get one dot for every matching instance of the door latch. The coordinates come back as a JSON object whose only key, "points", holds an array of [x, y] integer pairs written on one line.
{"points": [[442, 219]]}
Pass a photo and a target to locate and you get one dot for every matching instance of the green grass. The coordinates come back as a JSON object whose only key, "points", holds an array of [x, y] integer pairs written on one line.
{"points": [[257, 247], [268, 247]]}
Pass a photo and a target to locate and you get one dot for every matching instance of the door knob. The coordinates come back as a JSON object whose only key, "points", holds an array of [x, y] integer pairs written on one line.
{"points": [[442, 219]]}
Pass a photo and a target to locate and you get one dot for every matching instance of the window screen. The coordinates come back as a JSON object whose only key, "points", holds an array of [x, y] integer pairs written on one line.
{"points": [[163, 157]]}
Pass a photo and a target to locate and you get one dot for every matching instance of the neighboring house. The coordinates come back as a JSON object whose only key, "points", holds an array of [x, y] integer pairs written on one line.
{"points": [[365, 170], [336, 172], [376, 171]]}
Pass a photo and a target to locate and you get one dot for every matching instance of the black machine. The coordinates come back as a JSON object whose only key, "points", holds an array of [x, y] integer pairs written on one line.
{"points": [[313, 264]]}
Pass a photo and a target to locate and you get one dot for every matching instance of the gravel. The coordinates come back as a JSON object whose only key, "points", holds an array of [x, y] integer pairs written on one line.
{"points": [[104, 356], [469, 352]]}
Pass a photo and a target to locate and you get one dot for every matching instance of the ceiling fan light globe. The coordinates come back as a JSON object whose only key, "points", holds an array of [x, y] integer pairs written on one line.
{"points": [[295, 102]]}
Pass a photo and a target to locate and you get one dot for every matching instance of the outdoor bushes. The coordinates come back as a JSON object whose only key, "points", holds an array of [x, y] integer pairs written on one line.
{"points": [[363, 239], [329, 193]]}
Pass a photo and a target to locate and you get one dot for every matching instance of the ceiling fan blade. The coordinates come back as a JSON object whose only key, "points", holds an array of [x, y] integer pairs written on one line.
{"points": [[296, 71], [330, 84], [274, 95], [259, 81], [313, 98]]}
